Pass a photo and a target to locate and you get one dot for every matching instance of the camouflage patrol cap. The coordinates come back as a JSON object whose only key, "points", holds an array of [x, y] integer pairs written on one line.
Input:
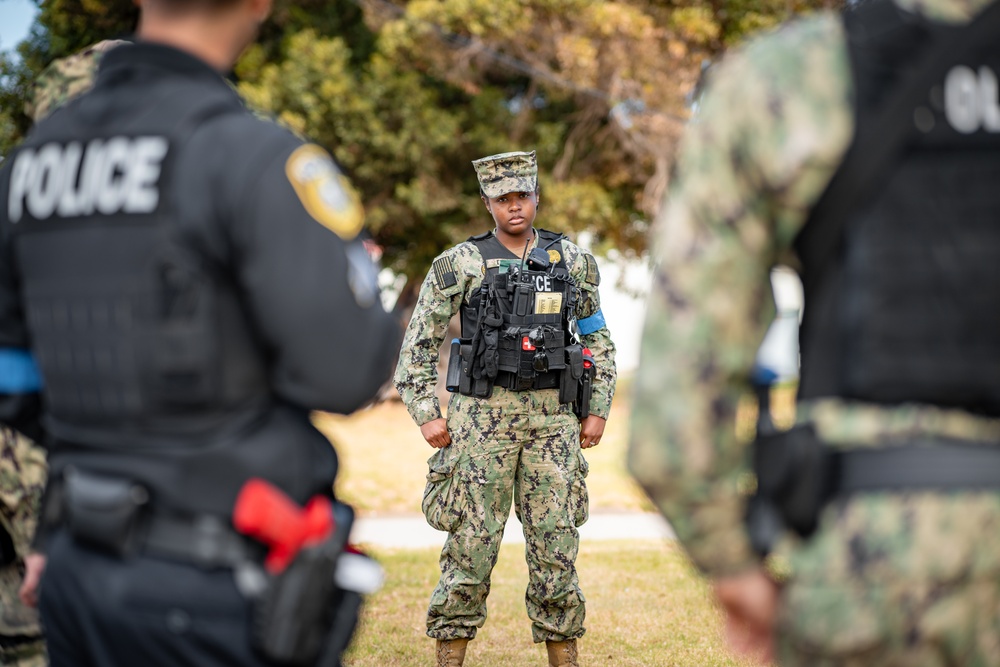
{"points": [[507, 172], [66, 78]]}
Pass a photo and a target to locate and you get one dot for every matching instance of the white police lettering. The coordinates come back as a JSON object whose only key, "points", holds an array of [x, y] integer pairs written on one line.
{"points": [[970, 99], [543, 283], [118, 175]]}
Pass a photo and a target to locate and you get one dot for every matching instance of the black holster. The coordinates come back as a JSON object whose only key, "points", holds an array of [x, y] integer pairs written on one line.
{"points": [[569, 378], [794, 481], [302, 615], [581, 406], [453, 379]]}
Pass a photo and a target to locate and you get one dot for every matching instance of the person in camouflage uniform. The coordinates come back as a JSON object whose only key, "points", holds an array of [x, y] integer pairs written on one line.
{"points": [[520, 445], [907, 578], [22, 480], [66, 78]]}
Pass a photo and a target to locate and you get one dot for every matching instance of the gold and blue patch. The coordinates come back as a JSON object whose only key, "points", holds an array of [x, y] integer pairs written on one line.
{"points": [[324, 191]]}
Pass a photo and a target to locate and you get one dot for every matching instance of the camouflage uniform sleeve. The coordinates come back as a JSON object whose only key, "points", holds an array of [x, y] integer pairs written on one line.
{"points": [[22, 480], [744, 183], [440, 298], [583, 268], [65, 79]]}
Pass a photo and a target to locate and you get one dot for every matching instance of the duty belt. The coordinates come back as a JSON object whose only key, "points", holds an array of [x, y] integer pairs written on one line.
{"points": [[113, 514], [916, 466], [204, 540], [509, 380], [798, 474]]}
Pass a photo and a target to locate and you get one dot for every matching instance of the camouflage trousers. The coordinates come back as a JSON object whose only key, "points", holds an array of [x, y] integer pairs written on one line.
{"points": [[520, 447], [30, 653], [897, 580]]}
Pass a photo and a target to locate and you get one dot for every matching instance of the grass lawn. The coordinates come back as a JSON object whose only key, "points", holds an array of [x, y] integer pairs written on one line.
{"points": [[645, 606]]}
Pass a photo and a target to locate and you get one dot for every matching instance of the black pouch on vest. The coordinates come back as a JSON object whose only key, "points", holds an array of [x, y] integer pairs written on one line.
{"points": [[465, 379], [295, 615], [184, 358], [569, 378], [103, 511], [795, 477], [454, 377]]}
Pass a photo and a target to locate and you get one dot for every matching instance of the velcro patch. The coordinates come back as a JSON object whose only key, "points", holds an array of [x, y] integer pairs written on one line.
{"points": [[592, 275], [444, 273], [324, 191]]}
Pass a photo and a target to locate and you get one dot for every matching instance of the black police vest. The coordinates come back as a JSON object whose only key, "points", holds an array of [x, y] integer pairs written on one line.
{"points": [[519, 318], [129, 324], [910, 312]]}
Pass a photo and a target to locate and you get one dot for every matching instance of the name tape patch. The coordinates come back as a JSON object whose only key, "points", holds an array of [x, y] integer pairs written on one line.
{"points": [[592, 275]]}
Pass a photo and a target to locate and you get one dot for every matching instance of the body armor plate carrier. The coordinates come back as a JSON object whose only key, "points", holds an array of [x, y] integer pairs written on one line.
{"points": [[518, 327]]}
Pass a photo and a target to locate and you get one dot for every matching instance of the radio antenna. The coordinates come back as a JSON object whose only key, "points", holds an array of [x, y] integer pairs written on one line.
{"points": [[524, 255]]}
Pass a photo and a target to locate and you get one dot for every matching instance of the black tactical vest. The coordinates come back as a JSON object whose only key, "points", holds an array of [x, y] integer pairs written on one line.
{"points": [[910, 310], [518, 323], [129, 324]]}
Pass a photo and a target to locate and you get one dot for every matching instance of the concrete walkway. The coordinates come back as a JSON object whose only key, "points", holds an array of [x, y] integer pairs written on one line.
{"points": [[412, 532]]}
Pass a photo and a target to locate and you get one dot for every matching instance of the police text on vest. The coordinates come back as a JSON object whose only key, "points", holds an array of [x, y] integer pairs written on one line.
{"points": [[970, 99], [106, 176]]}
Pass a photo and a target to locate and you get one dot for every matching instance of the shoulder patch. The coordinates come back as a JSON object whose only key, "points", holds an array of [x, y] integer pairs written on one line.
{"points": [[324, 191], [444, 273], [592, 274]]}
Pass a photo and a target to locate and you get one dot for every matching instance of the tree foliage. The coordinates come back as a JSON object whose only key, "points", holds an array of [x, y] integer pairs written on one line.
{"points": [[406, 93]]}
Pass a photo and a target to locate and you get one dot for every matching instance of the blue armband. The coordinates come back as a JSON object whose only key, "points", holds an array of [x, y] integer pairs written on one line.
{"points": [[18, 371], [589, 325]]}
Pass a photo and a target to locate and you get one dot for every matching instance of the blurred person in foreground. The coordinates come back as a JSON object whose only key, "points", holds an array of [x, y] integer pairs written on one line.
{"points": [[863, 149], [22, 479], [178, 286], [22, 461], [532, 378]]}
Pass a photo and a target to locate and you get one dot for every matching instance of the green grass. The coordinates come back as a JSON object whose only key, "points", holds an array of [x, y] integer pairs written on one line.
{"points": [[645, 606]]}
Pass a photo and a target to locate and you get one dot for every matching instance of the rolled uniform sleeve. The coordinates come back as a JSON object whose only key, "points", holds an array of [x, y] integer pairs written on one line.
{"points": [[310, 284], [416, 373], [594, 332], [761, 151]]}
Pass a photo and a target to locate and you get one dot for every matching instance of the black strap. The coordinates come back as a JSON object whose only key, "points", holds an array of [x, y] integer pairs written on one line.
{"points": [[931, 466], [868, 160]]}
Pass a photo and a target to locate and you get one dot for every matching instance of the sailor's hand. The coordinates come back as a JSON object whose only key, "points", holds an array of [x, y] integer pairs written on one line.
{"points": [[591, 431], [435, 432], [34, 566]]}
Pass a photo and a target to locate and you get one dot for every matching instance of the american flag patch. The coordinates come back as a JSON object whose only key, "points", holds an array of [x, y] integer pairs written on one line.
{"points": [[444, 273]]}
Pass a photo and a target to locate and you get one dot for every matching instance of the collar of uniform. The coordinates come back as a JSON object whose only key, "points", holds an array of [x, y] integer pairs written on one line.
{"points": [[534, 238], [159, 56]]}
